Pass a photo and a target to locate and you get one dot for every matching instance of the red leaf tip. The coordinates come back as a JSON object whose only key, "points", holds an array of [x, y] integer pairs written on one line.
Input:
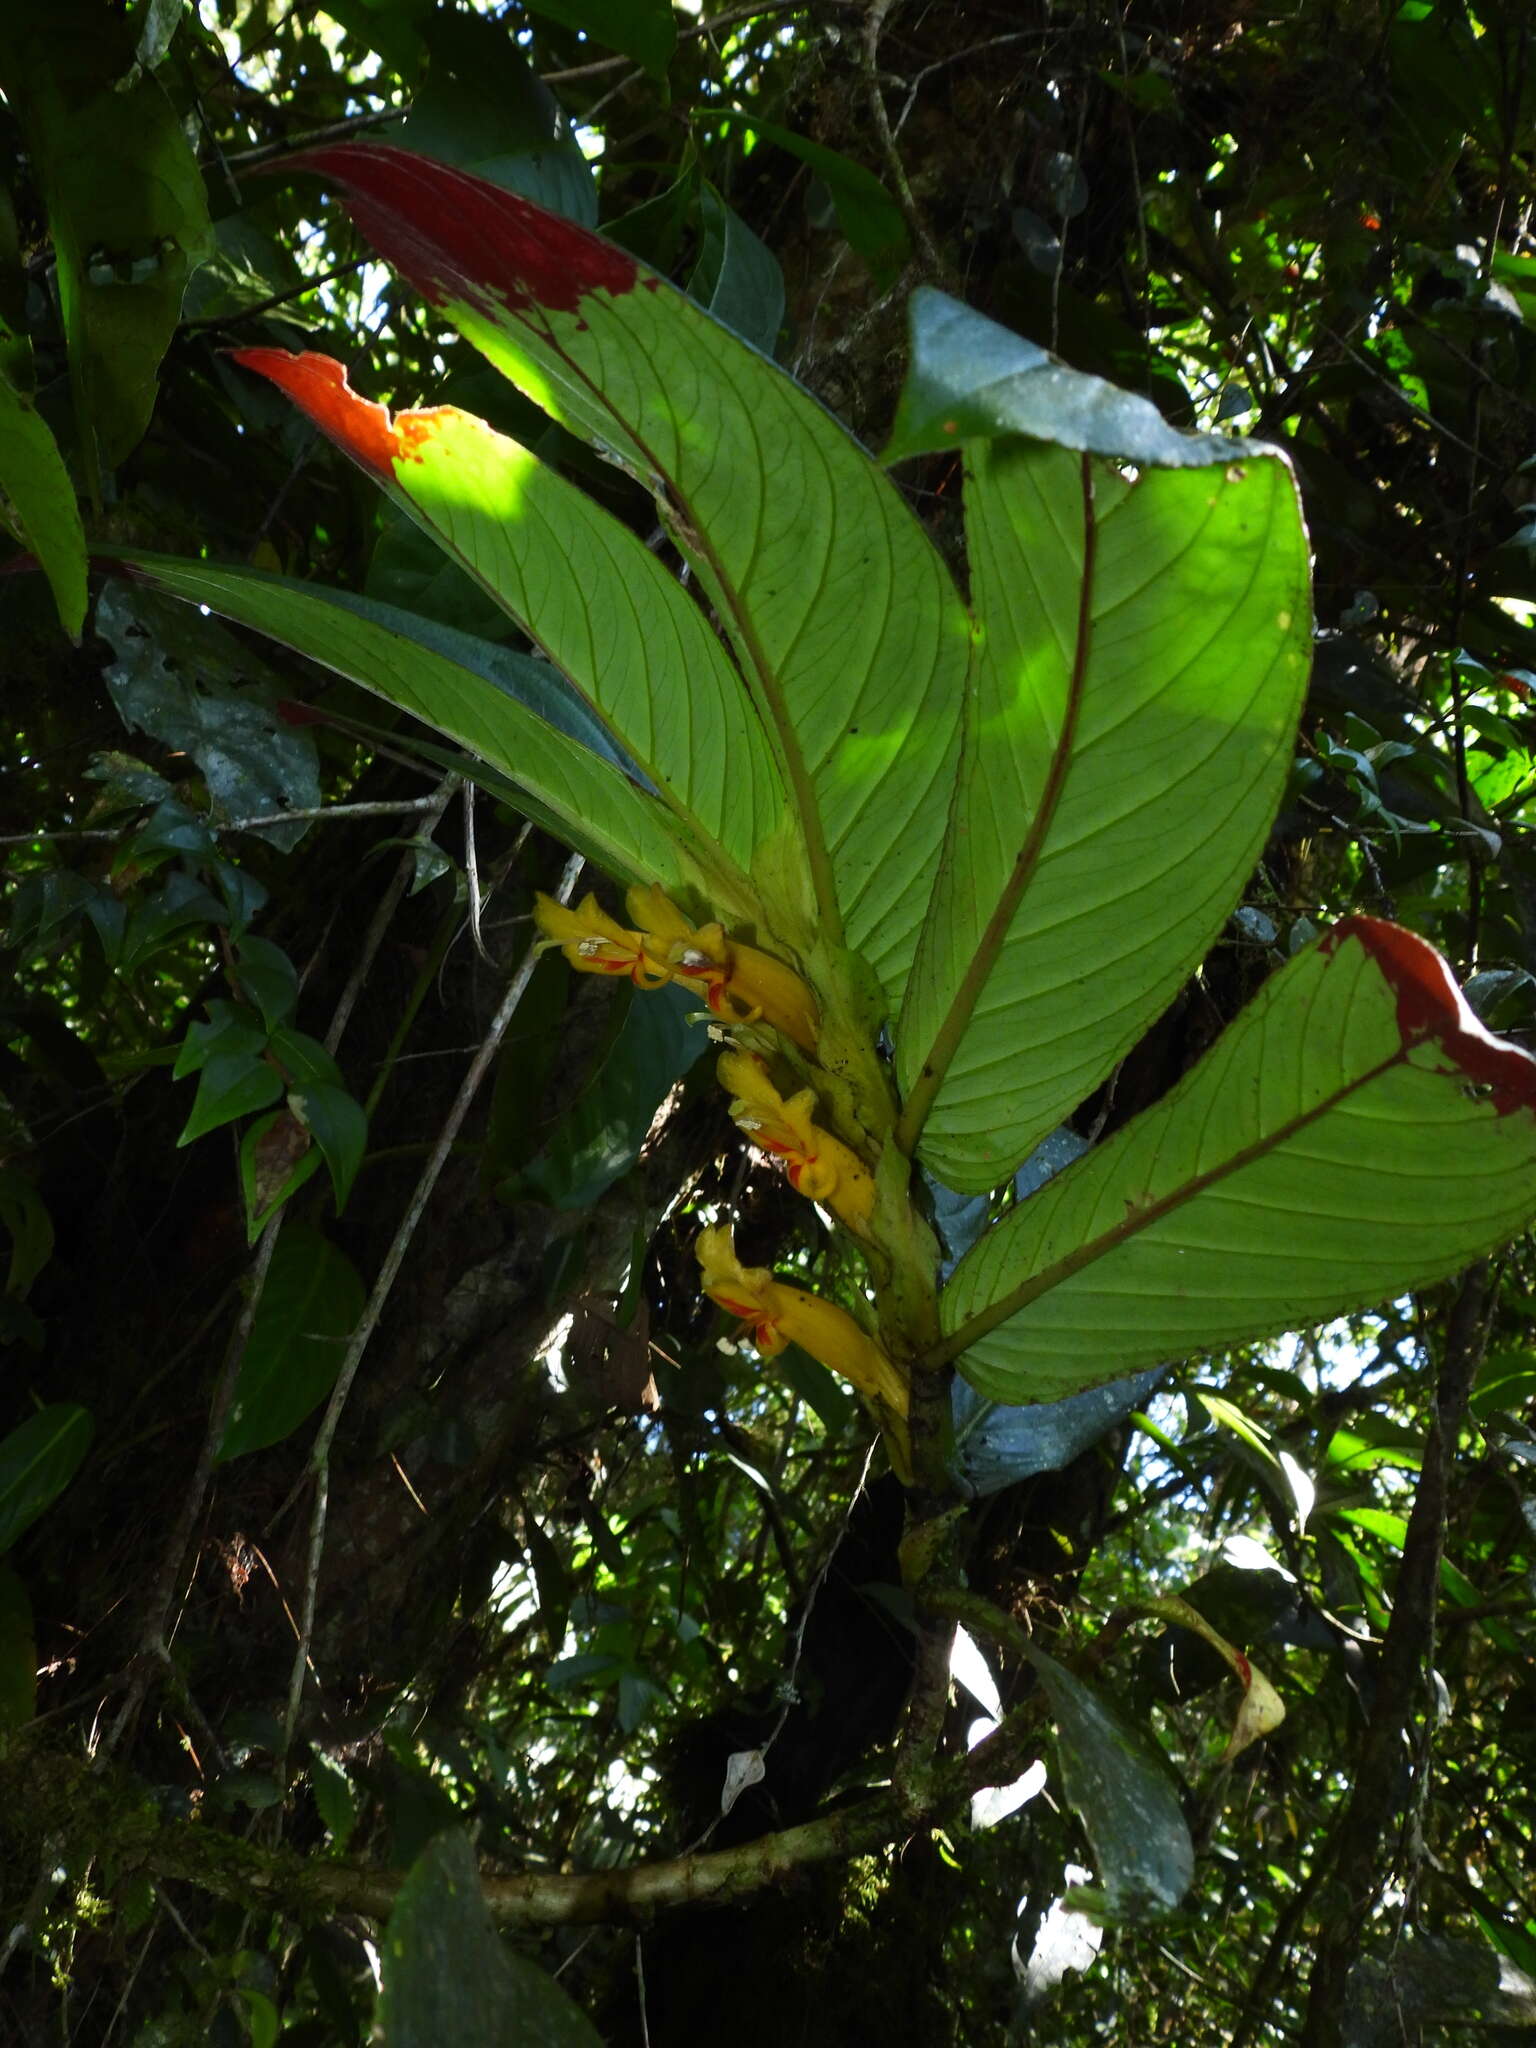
{"points": [[459, 237], [318, 385], [1430, 1007]]}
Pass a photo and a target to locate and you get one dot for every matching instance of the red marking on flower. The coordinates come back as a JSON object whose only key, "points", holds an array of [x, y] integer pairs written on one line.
{"points": [[1244, 1668], [1430, 1007], [747, 1310], [1371, 221], [458, 237]]}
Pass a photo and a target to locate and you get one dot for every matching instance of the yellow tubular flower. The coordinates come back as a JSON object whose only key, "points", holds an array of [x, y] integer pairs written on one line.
{"points": [[595, 943], [819, 1166], [740, 983], [781, 1314]]}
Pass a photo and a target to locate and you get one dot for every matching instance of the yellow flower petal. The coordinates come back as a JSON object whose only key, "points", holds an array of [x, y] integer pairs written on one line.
{"points": [[595, 943], [781, 1314], [819, 1166], [740, 983]]}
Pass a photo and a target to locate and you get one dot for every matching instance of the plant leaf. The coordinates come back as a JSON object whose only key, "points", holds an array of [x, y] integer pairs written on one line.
{"points": [[1355, 1132], [867, 214], [969, 379], [623, 630], [464, 688], [35, 488], [856, 669], [309, 1307], [643, 29], [37, 1462], [1124, 1793], [125, 204], [1142, 656], [448, 1978], [737, 278]]}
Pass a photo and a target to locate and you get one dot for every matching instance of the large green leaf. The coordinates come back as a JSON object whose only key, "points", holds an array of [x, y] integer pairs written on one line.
{"points": [[842, 616], [447, 1978], [623, 630], [1143, 649], [1354, 1133], [475, 692], [36, 492]]}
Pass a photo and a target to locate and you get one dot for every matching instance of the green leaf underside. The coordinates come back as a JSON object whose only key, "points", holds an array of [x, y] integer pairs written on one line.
{"points": [[35, 484], [1125, 1795], [309, 1307], [1142, 655], [591, 804], [1354, 1132], [624, 631], [842, 616]]}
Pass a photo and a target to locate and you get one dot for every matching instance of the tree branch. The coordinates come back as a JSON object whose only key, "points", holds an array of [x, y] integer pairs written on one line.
{"points": [[1406, 1651]]}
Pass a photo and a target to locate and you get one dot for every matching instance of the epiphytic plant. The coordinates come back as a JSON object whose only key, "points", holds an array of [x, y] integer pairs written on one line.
{"points": [[934, 860]]}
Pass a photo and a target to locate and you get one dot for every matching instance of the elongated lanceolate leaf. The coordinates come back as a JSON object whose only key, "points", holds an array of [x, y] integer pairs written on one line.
{"points": [[1143, 652], [850, 635], [37, 1462], [588, 801], [1355, 1132], [580, 584], [36, 490]]}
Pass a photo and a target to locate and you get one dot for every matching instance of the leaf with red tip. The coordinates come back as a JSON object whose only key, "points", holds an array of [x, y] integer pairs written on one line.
{"points": [[1354, 1133], [844, 622], [581, 585]]}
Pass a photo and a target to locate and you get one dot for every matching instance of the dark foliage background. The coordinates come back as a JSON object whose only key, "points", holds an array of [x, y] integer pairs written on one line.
{"points": [[578, 1552]]}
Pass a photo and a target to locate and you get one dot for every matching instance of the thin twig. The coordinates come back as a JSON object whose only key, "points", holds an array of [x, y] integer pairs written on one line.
{"points": [[320, 814], [431, 809], [911, 212], [319, 1458]]}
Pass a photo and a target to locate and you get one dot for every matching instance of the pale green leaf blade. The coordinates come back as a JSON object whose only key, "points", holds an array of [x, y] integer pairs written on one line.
{"points": [[620, 627], [589, 801], [1354, 1133], [842, 616], [35, 488], [1143, 654]]}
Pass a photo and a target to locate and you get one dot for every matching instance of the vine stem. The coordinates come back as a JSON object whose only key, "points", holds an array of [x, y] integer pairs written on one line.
{"points": [[383, 1286]]}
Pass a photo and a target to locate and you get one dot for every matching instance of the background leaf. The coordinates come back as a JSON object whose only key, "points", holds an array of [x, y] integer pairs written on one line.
{"points": [[309, 1307], [36, 490], [447, 1977], [37, 1462]]}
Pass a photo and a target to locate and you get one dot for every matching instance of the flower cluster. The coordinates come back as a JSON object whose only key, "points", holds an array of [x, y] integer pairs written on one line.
{"points": [[818, 1165], [781, 1314], [740, 983]]}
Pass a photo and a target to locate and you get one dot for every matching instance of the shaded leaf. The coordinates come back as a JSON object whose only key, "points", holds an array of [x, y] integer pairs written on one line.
{"points": [[1122, 1790], [643, 29], [309, 1307], [737, 278], [37, 1462], [1354, 1132], [515, 715], [18, 1653], [231, 1085], [867, 214], [340, 1130], [446, 1975], [125, 205], [37, 495], [968, 379]]}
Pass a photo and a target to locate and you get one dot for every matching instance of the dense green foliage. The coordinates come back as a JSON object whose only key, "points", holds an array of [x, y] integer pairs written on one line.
{"points": [[561, 1554]]}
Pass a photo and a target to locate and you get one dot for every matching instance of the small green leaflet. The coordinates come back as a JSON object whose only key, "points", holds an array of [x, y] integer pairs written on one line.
{"points": [[309, 1308], [37, 1462]]}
